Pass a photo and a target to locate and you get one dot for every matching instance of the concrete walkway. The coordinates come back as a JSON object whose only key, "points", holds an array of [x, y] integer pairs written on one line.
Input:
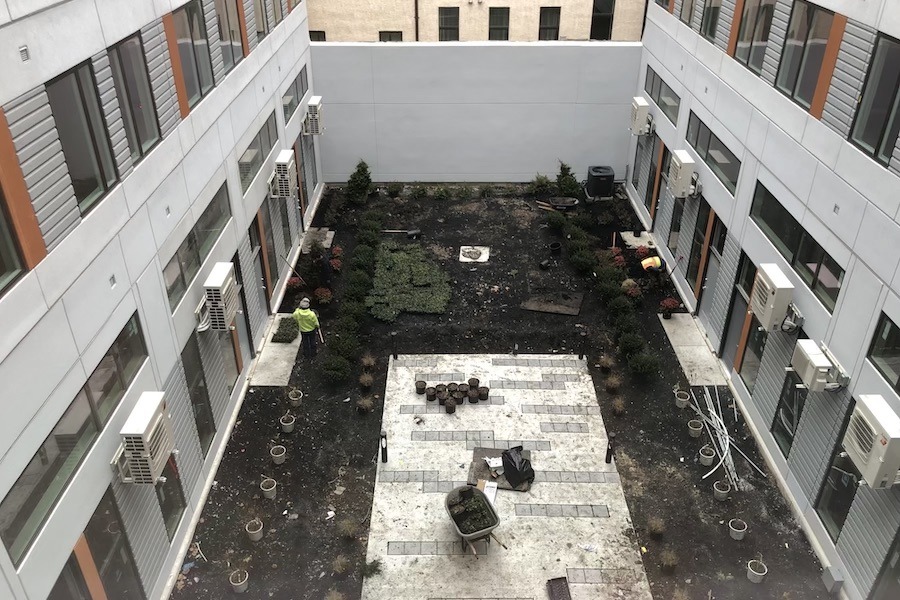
{"points": [[700, 365], [572, 523], [275, 362]]}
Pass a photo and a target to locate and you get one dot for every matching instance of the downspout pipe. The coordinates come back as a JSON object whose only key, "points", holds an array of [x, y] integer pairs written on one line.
{"points": [[416, 3]]}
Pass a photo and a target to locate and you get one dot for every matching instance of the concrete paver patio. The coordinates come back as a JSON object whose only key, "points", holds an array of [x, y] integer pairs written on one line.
{"points": [[573, 522]]}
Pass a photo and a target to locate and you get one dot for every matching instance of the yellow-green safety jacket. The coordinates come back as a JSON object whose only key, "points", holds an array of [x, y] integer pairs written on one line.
{"points": [[306, 319]]}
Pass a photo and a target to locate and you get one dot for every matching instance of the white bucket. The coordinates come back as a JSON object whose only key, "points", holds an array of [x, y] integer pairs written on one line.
{"points": [[278, 453], [269, 487], [254, 530], [756, 571], [239, 580]]}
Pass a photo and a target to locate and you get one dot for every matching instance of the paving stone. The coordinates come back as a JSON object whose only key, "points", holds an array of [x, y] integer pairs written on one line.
{"points": [[575, 575], [584, 511], [593, 576], [459, 436], [523, 510], [598, 477], [567, 477], [569, 510], [612, 478], [538, 510], [411, 548], [395, 548], [386, 476], [431, 436], [554, 510], [551, 476], [600, 511], [429, 487], [428, 548], [417, 436], [582, 477]]}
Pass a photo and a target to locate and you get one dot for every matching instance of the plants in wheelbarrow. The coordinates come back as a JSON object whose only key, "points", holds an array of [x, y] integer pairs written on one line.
{"points": [[471, 514]]}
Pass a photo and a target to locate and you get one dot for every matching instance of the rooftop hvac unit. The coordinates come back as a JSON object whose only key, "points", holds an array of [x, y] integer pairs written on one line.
{"points": [[811, 364], [313, 124], [285, 183], [221, 296], [872, 441], [641, 121], [681, 174], [147, 441], [771, 296]]}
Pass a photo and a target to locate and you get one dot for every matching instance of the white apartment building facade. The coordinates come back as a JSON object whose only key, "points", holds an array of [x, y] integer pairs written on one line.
{"points": [[789, 109], [135, 152], [475, 20]]}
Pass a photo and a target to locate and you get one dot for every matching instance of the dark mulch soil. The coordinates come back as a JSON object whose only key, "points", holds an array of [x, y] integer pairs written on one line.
{"points": [[335, 448]]}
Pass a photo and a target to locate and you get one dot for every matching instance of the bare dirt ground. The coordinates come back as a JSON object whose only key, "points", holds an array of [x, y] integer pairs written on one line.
{"points": [[331, 453]]}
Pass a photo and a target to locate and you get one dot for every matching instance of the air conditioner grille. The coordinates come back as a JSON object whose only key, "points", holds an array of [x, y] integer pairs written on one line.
{"points": [[761, 293], [861, 436], [219, 300]]}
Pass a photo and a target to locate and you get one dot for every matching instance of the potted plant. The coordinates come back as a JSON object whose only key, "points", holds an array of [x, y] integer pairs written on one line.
{"points": [[463, 388], [323, 296], [287, 422], [365, 405], [450, 406], [365, 382], [667, 306], [442, 397], [441, 387], [254, 529], [239, 580], [473, 395], [430, 394], [278, 453], [483, 393], [295, 396], [474, 383], [452, 387], [642, 252], [420, 387]]}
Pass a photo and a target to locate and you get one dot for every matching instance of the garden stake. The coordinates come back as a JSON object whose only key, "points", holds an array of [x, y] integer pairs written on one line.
{"points": [[584, 344], [292, 269], [394, 343], [383, 446], [610, 448]]}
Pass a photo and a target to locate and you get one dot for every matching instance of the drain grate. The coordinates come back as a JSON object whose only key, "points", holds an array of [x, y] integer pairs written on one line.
{"points": [[558, 589]]}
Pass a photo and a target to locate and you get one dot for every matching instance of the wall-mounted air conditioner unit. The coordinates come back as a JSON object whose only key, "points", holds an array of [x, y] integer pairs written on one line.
{"points": [[147, 441], [872, 441], [221, 296], [285, 184], [313, 125], [287, 100], [641, 120], [247, 163], [771, 296], [681, 174], [811, 364]]}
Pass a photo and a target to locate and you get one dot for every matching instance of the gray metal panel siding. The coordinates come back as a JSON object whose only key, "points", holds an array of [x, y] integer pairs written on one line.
{"points": [[776, 356], [777, 33], [44, 168], [665, 208], [284, 8], [721, 295], [144, 527], [643, 159], [255, 310], [294, 220], [677, 10], [726, 20], [184, 429], [250, 20], [849, 76], [277, 234], [820, 425], [214, 372], [697, 17], [112, 113], [159, 65], [270, 13], [867, 535], [686, 234], [212, 36]]}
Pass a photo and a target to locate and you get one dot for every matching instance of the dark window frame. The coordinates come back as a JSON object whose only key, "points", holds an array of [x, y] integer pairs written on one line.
{"points": [[893, 113], [547, 14], [498, 30], [698, 241], [709, 20], [656, 87], [792, 390], [198, 392], [701, 138], [390, 36], [690, 5], [315, 35], [765, 10], [448, 23], [792, 89], [186, 9], [11, 248], [887, 324], [171, 525], [236, 57], [836, 453], [141, 152]]}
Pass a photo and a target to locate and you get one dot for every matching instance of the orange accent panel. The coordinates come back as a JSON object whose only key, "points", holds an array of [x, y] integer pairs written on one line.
{"points": [[290, 5], [671, 6], [236, 343], [735, 26], [18, 201], [828, 63], [242, 22], [704, 252], [89, 570], [177, 70], [742, 344], [658, 180]]}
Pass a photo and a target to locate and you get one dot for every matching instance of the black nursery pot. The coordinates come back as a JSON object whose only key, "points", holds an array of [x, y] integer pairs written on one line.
{"points": [[430, 394], [555, 248]]}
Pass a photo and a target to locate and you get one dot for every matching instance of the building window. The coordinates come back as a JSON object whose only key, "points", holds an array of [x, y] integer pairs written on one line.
{"points": [[317, 36], [229, 32], [262, 19], [230, 357], [132, 82], [746, 276], [710, 20], [753, 351], [788, 411], [107, 384], [70, 584], [804, 51], [884, 352], [170, 496], [667, 100], [282, 207], [193, 48], [753, 35], [602, 19], [639, 151], [814, 266], [675, 229], [82, 134], [687, 11], [391, 36], [697, 243], [35, 493], [498, 23], [111, 553], [181, 269], [888, 585], [277, 9], [308, 158], [295, 93], [33, 496], [10, 260], [252, 159], [877, 123], [549, 24], [838, 492], [212, 221], [720, 159], [448, 24], [198, 392]]}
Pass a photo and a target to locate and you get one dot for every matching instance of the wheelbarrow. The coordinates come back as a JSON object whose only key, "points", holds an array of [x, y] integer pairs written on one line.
{"points": [[562, 203], [473, 516]]}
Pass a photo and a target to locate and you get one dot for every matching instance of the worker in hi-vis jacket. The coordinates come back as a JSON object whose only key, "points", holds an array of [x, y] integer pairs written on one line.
{"points": [[308, 322]]}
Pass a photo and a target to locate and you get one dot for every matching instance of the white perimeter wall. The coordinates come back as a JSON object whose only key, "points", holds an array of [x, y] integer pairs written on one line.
{"points": [[474, 111]]}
